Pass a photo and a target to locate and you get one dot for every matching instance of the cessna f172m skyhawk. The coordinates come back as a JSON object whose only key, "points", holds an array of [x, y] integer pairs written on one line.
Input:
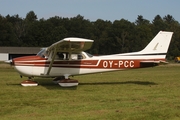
{"points": [[66, 58]]}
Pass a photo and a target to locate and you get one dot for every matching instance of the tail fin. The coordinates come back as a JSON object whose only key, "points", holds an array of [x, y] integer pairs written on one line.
{"points": [[159, 44]]}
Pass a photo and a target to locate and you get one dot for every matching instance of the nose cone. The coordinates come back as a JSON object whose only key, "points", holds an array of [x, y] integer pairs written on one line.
{"points": [[9, 62]]}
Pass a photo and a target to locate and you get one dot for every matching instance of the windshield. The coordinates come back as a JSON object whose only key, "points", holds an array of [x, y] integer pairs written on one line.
{"points": [[42, 53]]}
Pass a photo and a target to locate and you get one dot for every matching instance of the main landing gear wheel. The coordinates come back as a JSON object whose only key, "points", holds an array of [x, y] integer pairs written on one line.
{"points": [[29, 82], [58, 79], [65, 82], [68, 83]]}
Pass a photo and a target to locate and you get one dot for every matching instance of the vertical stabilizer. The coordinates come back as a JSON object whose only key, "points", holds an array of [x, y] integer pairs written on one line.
{"points": [[159, 44]]}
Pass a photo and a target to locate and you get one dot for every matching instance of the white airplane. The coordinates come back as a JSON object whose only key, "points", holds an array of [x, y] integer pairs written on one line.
{"points": [[66, 58]]}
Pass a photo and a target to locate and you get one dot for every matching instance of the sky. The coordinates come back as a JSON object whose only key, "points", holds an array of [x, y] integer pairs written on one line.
{"points": [[93, 9]]}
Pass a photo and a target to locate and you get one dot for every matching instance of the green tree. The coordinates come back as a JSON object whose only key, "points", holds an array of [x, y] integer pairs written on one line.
{"points": [[7, 36], [158, 24], [101, 37], [174, 26], [18, 28], [122, 35], [31, 16], [143, 33], [117, 37]]}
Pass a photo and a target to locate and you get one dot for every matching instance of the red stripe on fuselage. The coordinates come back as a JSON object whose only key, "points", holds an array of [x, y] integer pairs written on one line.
{"points": [[95, 64]]}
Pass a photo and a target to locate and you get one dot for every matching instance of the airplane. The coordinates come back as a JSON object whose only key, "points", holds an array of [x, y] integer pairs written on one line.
{"points": [[67, 58]]}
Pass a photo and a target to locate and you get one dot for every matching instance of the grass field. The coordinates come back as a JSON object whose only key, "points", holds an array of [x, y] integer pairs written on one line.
{"points": [[142, 94]]}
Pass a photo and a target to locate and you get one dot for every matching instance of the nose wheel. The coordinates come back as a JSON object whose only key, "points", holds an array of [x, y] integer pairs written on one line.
{"points": [[29, 82]]}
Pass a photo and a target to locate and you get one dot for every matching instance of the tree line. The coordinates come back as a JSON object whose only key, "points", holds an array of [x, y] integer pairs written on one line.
{"points": [[119, 36]]}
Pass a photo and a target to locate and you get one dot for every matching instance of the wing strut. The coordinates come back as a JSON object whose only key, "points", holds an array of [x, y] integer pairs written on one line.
{"points": [[52, 61]]}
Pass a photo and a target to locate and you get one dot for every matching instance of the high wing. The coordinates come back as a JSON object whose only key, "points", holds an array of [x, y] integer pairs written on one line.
{"points": [[71, 44], [68, 45]]}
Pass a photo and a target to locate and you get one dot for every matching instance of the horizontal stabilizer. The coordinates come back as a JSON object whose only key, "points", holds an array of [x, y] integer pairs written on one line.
{"points": [[160, 61], [151, 63]]}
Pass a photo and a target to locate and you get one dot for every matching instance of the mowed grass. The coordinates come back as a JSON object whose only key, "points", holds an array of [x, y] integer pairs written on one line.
{"points": [[148, 94]]}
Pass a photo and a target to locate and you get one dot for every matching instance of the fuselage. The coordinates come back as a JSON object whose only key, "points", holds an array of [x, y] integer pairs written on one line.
{"points": [[38, 66]]}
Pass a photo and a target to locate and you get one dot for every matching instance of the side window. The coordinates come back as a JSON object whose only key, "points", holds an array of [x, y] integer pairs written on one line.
{"points": [[60, 56], [74, 56], [67, 56], [77, 56]]}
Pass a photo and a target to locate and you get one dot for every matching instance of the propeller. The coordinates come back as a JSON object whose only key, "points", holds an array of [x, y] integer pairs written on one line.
{"points": [[9, 62]]}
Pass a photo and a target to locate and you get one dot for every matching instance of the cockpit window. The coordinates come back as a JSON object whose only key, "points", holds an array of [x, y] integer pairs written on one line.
{"points": [[42, 53]]}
